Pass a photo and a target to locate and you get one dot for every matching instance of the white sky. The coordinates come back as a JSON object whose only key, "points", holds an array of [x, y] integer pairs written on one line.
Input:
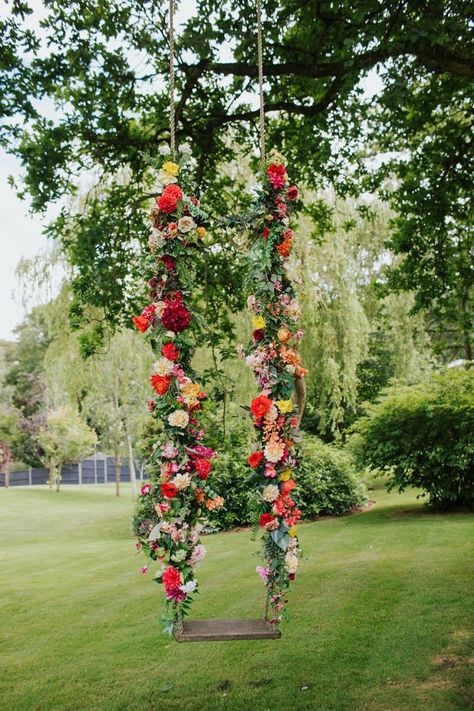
{"points": [[21, 234]]}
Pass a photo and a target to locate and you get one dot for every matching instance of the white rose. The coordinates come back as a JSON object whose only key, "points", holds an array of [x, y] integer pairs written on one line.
{"points": [[178, 418], [185, 149], [164, 149], [291, 563], [185, 224], [166, 179], [189, 587]]}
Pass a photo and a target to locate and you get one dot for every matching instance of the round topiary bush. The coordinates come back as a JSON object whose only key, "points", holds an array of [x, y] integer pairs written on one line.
{"points": [[422, 436], [327, 480]]}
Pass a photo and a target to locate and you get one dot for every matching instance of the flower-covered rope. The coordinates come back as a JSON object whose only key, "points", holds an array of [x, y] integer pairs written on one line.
{"points": [[171, 510], [276, 364]]}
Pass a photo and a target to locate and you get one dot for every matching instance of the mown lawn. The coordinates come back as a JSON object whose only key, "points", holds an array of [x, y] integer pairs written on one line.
{"points": [[380, 614]]}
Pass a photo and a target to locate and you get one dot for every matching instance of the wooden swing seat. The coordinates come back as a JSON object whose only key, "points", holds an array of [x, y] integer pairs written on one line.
{"points": [[225, 630]]}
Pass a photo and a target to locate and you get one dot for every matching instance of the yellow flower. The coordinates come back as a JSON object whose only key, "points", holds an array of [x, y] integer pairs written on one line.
{"points": [[171, 168], [285, 475], [276, 157], [269, 217], [292, 531], [258, 322], [201, 231], [285, 406]]}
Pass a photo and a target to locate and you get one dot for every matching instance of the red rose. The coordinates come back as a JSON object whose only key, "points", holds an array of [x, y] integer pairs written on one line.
{"points": [[255, 458], [276, 175], [146, 489], [170, 351], [266, 232], [265, 519], [160, 383], [141, 323], [168, 262], [291, 576], [176, 317], [168, 200], [260, 406], [203, 468], [169, 490], [171, 578], [258, 335], [292, 192]]}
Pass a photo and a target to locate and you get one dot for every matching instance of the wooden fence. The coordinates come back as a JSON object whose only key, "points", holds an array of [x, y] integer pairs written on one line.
{"points": [[89, 471]]}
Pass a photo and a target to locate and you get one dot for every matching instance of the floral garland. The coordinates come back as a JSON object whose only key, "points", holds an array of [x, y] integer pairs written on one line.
{"points": [[171, 510], [277, 368]]}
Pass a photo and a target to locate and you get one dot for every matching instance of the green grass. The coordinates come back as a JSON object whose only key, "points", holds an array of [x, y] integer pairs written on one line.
{"points": [[380, 614]]}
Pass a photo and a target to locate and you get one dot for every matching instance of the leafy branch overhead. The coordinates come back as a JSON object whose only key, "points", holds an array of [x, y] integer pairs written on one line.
{"points": [[83, 92]]}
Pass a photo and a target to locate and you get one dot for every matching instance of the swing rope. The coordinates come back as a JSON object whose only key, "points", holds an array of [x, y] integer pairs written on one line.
{"points": [[261, 139], [261, 96], [171, 86]]}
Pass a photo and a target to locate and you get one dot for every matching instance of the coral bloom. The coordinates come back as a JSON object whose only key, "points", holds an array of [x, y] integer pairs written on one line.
{"points": [[142, 323], [255, 458], [160, 383], [168, 490], [284, 248], [288, 486], [169, 198], [260, 406]]}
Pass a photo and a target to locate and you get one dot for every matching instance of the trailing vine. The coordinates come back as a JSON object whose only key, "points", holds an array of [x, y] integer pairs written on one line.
{"points": [[274, 358], [171, 510]]}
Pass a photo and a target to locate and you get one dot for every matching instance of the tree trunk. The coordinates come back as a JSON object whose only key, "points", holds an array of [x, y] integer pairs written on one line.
{"points": [[117, 464], [468, 348], [7, 472], [52, 474], [58, 478], [131, 466]]}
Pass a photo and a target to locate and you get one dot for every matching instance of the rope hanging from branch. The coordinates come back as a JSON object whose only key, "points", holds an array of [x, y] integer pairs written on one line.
{"points": [[171, 88], [261, 96]]}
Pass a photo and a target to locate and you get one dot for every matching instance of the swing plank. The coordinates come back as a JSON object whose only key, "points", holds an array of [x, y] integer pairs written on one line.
{"points": [[225, 630]]}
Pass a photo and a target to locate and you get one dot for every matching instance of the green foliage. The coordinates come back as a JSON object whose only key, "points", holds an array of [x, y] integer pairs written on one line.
{"points": [[327, 480], [422, 437], [96, 69], [66, 438]]}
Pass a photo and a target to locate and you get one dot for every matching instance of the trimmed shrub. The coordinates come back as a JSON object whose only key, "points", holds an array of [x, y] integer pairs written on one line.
{"points": [[327, 480], [423, 436]]}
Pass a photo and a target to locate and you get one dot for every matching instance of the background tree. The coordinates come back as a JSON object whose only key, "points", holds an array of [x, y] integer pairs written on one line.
{"points": [[65, 438]]}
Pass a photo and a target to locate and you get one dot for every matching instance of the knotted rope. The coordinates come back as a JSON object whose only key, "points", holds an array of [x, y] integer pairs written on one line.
{"points": [[261, 125], [171, 87]]}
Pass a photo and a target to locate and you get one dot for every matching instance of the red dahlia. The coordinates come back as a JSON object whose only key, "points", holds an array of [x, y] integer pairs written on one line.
{"points": [[203, 468], [171, 578], [160, 383], [170, 351], [176, 317]]}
